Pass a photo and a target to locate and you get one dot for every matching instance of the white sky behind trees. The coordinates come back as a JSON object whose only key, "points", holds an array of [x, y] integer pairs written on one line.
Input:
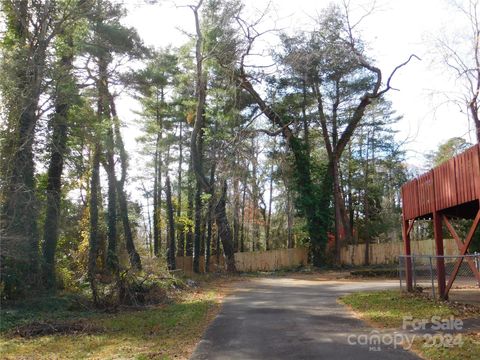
{"points": [[393, 31]]}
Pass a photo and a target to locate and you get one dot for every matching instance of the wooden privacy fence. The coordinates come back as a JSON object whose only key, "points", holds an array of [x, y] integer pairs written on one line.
{"points": [[384, 253], [251, 261], [387, 253]]}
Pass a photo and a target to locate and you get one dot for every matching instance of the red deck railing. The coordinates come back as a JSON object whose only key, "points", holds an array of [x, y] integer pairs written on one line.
{"points": [[445, 185], [426, 193], [467, 171], [410, 199], [455, 182]]}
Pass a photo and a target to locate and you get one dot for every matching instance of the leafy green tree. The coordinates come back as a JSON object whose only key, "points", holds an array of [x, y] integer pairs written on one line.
{"points": [[152, 84], [373, 172], [30, 26], [342, 82], [65, 97], [209, 38], [108, 42], [446, 151]]}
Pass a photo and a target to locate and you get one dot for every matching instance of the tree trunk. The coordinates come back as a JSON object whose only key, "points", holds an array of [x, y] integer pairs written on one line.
{"points": [[55, 169], [196, 142], [203, 230], [133, 255], [197, 154], [181, 234], [148, 225], [208, 238], [290, 242], [366, 205], [224, 230], [217, 246], [190, 198], [339, 229], [104, 114], [351, 210], [157, 204], [255, 199], [20, 240], [198, 233], [290, 220], [101, 234], [150, 240], [209, 221], [157, 191], [112, 259], [473, 107], [242, 226], [306, 130], [269, 216], [93, 204], [236, 211], [198, 228], [171, 226]]}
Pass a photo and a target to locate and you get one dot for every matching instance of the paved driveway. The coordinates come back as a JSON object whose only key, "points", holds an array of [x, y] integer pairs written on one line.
{"points": [[283, 318]]}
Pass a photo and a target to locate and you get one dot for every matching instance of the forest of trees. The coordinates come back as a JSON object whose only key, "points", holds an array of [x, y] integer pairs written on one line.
{"points": [[236, 158]]}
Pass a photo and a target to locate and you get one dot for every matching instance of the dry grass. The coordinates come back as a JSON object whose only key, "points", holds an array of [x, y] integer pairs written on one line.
{"points": [[468, 350]]}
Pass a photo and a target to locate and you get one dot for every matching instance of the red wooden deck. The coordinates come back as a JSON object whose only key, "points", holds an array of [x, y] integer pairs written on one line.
{"points": [[454, 183], [451, 189]]}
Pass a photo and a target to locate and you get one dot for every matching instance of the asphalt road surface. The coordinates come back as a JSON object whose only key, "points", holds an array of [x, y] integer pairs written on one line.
{"points": [[283, 318]]}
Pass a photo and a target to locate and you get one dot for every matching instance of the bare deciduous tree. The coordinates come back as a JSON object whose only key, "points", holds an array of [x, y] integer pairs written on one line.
{"points": [[460, 54]]}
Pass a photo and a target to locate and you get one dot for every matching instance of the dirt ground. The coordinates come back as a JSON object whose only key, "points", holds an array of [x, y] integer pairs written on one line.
{"points": [[466, 295]]}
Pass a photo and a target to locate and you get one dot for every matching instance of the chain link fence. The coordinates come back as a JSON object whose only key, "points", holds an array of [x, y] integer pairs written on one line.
{"points": [[425, 275]]}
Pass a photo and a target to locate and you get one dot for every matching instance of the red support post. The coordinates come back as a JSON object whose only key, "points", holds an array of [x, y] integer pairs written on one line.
{"points": [[460, 244], [438, 234], [406, 228], [463, 251]]}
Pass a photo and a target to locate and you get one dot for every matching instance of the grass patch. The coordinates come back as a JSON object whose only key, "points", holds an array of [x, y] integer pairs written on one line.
{"points": [[469, 349], [158, 332], [62, 307], [388, 308]]}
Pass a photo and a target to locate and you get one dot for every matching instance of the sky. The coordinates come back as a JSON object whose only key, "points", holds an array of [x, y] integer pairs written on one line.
{"points": [[393, 31]]}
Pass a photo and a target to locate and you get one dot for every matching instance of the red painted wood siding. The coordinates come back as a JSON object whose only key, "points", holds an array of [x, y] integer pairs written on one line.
{"points": [[467, 171], [445, 185], [452, 183], [410, 199], [426, 194]]}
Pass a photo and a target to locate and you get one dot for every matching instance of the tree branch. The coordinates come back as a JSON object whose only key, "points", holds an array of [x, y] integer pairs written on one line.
{"points": [[388, 87]]}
